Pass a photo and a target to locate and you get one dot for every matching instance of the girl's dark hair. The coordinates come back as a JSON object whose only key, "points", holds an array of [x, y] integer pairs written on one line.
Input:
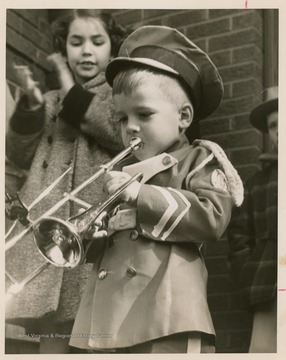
{"points": [[60, 28]]}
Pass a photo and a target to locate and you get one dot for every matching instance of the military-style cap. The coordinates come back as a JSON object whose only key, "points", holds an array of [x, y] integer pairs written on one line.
{"points": [[167, 49], [258, 116]]}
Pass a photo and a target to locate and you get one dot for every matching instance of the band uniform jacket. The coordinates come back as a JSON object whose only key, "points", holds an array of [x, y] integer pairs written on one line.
{"points": [[253, 238], [48, 151], [150, 280]]}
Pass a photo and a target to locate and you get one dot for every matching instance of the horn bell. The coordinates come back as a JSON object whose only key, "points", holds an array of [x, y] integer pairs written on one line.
{"points": [[58, 242]]}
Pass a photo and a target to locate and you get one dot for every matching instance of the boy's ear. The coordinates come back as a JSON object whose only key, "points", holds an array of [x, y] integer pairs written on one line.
{"points": [[186, 115]]}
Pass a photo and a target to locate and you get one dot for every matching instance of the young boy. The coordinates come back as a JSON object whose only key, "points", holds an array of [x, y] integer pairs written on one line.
{"points": [[253, 235], [147, 292]]}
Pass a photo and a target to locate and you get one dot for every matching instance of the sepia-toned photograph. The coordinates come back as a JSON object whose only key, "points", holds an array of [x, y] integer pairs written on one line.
{"points": [[141, 180]]}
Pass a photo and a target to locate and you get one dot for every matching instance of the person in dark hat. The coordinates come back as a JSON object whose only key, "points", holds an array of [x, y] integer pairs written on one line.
{"points": [[253, 235], [148, 289]]}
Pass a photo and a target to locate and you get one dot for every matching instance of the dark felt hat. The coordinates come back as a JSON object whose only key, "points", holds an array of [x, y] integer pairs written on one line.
{"points": [[258, 116], [167, 49]]}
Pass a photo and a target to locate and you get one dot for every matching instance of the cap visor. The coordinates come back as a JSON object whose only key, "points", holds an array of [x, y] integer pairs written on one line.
{"points": [[116, 65]]}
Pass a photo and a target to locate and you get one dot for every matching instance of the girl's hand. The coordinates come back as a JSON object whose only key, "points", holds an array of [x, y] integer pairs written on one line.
{"points": [[29, 86], [114, 179], [65, 76]]}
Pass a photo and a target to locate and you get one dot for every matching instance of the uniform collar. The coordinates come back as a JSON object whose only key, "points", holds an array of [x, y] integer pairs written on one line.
{"points": [[163, 161]]}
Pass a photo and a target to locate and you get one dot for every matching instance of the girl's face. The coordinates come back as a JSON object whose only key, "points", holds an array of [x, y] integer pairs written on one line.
{"points": [[88, 48], [272, 124], [148, 114]]}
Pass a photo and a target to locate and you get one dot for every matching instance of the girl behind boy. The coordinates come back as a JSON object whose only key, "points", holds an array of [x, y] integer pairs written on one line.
{"points": [[67, 128]]}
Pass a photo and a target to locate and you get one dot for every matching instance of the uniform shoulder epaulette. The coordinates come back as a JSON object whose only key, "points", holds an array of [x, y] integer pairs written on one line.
{"points": [[234, 181]]}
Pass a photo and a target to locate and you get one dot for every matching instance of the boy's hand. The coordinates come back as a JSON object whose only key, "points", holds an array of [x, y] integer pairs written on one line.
{"points": [[65, 76], [114, 179], [30, 87], [98, 227], [97, 230]]}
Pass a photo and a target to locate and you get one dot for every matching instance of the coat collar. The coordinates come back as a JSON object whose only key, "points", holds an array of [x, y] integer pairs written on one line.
{"points": [[98, 80]]}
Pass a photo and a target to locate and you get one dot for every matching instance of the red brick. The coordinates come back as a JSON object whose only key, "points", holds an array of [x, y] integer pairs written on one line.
{"points": [[238, 139], [12, 58], [185, 18], [202, 44], [13, 20], [243, 156], [234, 105], [28, 49], [33, 35], [129, 17], [244, 87], [32, 15], [156, 21], [247, 53], [227, 93], [235, 39], [223, 12], [221, 58], [246, 171], [240, 71], [209, 126], [155, 13], [240, 122], [250, 18], [208, 29]]}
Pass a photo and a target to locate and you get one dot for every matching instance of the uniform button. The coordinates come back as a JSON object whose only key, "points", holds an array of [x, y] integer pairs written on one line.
{"points": [[131, 272], [50, 139], [102, 274], [134, 235], [166, 160], [45, 164]]}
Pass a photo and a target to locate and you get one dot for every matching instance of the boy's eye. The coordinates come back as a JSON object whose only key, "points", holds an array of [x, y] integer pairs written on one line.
{"points": [[145, 114]]}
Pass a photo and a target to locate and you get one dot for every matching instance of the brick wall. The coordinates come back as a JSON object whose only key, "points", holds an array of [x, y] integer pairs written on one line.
{"points": [[234, 40], [28, 43]]}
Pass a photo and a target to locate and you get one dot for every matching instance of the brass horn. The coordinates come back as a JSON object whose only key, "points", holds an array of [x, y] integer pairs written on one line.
{"points": [[64, 243]]}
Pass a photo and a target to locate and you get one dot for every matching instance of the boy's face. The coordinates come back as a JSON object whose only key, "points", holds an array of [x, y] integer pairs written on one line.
{"points": [[88, 48], [272, 124], [148, 114]]}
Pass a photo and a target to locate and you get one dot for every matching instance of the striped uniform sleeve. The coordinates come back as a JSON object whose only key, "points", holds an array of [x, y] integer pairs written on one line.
{"points": [[198, 214]]}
